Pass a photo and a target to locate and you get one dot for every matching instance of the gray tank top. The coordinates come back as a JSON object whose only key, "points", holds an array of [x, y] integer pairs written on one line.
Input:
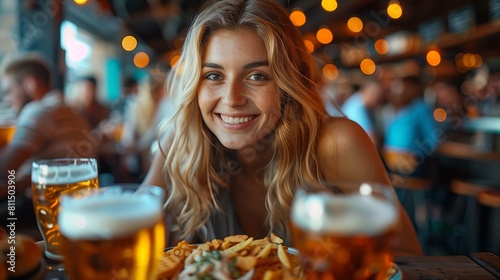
{"points": [[224, 223]]}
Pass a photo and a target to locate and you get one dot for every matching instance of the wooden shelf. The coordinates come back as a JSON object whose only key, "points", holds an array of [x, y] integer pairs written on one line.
{"points": [[478, 39], [479, 33]]}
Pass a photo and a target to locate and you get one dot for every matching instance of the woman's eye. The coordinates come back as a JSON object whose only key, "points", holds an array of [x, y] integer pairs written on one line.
{"points": [[257, 77], [213, 76]]}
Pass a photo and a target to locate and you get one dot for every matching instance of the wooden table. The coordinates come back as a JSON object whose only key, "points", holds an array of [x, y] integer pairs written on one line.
{"points": [[442, 268], [416, 268]]}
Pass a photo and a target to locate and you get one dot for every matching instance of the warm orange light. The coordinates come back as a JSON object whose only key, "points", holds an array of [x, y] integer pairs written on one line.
{"points": [[469, 60], [309, 46], [298, 18], [324, 36], [141, 59], [80, 2], [367, 66], [433, 58], [329, 5], [355, 24], [381, 46], [440, 115], [129, 43], [330, 72], [394, 10]]}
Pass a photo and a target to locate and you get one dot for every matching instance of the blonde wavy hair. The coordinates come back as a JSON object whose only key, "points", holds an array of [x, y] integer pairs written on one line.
{"points": [[196, 164]]}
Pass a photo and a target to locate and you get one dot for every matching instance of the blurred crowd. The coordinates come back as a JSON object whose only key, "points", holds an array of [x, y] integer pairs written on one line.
{"points": [[398, 109]]}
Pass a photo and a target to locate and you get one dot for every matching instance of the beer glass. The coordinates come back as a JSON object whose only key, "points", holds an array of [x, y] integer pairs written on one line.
{"points": [[7, 124], [50, 179], [112, 233], [344, 230]]}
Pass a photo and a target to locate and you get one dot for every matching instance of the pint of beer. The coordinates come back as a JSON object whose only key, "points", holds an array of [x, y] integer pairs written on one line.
{"points": [[50, 179], [7, 124], [112, 234], [345, 234]]}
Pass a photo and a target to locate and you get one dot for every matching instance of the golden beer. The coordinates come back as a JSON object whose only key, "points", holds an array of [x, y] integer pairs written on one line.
{"points": [[49, 182], [6, 133], [344, 236], [112, 236]]}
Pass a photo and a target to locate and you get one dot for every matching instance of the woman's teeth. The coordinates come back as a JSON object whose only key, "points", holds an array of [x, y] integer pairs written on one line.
{"points": [[237, 120]]}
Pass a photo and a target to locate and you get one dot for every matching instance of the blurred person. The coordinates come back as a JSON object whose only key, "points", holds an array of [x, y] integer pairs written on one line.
{"points": [[251, 129], [412, 129], [86, 103], [384, 112], [129, 92], [482, 88], [334, 95], [449, 98], [140, 125], [341, 92], [112, 128], [361, 106], [46, 128]]}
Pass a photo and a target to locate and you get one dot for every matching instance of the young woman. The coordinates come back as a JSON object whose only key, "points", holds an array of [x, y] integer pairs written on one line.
{"points": [[250, 128]]}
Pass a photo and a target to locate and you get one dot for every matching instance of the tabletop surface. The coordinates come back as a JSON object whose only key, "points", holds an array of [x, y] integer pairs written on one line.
{"points": [[414, 268], [441, 267]]}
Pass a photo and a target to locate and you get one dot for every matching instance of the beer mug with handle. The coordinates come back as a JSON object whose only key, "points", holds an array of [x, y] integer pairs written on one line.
{"points": [[344, 230], [50, 179], [112, 233]]}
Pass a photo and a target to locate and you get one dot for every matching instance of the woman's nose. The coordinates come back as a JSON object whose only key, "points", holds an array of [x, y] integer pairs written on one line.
{"points": [[235, 94]]}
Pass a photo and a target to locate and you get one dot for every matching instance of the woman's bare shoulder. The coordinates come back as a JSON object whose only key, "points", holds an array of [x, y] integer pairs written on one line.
{"points": [[346, 152], [342, 131]]}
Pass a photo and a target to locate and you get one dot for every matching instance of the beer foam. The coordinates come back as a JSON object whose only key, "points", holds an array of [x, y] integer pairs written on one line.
{"points": [[108, 216], [350, 215], [57, 175]]}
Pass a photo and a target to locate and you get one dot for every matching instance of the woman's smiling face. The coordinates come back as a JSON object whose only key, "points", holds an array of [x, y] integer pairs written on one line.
{"points": [[238, 98]]}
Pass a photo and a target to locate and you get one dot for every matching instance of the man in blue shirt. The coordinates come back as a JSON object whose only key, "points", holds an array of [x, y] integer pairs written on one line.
{"points": [[413, 129]]}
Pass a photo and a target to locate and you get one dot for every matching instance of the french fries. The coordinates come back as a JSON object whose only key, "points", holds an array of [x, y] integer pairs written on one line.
{"points": [[268, 257]]}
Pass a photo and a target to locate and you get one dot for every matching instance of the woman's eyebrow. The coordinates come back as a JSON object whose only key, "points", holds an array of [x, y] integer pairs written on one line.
{"points": [[212, 65], [256, 64], [247, 66]]}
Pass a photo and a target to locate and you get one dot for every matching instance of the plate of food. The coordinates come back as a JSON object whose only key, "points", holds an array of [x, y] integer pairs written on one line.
{"points": [[235, 257], [238, 257]]}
